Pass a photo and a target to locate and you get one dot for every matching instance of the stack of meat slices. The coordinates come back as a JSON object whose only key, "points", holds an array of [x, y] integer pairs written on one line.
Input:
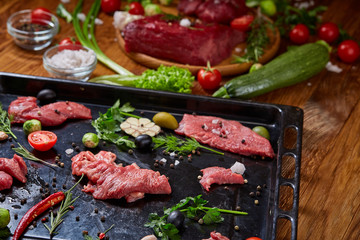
{"points": [[9, 168], [107, 180]]}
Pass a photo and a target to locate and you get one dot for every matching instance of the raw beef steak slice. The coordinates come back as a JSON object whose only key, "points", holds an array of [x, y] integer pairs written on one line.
{"points": [[227, 135]]}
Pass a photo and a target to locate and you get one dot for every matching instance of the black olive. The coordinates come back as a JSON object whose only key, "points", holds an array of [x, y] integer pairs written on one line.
{"points": [[46, 96], [143, 142], [177, 218]]}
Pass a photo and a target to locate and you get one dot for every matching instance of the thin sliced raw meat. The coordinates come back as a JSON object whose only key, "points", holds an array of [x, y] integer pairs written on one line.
{"points": [[45, 116], [107, 180], [227, 135], [12, 167], [216, 236], [5, 181], [19, 107], [53, 114], [70, 110], [219, 175]]}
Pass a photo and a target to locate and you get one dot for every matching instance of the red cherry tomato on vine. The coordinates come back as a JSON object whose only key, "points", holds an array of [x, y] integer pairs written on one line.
{"points": [[242, 23], [69, 43], [209, 78], [42, 140], [253, 238], [328, 32], [40, 15], [299, 34], [110, 6], [348, 51], [136, 8]]}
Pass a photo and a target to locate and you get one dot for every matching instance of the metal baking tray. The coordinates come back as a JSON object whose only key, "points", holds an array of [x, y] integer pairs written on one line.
{"points": [[129, 218]]}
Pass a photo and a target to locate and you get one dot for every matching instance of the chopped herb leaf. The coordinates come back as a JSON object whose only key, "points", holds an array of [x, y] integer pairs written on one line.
{"points": [[107, 124], [182, 147]]}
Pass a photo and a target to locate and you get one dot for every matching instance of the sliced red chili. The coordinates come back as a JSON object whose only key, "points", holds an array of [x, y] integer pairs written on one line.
{"points": [[35, 211]]}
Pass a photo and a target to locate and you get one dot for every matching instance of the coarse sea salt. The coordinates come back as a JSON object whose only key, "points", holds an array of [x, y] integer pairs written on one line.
{"points": [[238, 168], [72, 58], [185, 22], [333, 68]]}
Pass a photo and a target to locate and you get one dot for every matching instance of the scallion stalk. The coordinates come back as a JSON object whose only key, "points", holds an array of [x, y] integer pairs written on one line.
{"points": [[82, 34]]}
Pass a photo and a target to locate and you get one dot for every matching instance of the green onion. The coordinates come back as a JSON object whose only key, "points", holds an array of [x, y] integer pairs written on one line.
{"points": [[82, 34]]}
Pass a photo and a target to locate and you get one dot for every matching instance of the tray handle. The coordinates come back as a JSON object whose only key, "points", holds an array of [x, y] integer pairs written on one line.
{"points": [[293, 121]]}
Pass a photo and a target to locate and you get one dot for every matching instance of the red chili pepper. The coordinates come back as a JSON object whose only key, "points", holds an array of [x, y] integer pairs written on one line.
{"points": [[35, 211]]}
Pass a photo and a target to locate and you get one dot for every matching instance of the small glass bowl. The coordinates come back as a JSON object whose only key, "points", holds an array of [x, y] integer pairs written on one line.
{"points": [[64, 67], [32, 36]]}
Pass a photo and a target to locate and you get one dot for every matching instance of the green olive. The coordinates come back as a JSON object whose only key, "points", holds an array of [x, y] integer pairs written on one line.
{"points": [[90, 140], [262, 132], [4, 217], [32, 125], [268, 7], [166, 120]]}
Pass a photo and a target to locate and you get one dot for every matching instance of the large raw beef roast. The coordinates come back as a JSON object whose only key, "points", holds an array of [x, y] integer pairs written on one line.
{"points": [[213, 11], [227, 135], [157, 37]]}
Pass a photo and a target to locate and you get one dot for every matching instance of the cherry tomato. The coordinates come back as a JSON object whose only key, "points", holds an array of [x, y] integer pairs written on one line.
{"points": [[110, 6], [242, 23], [136, 8], [40, 15], [69, 43], [209, 78], [42, 140], [328, 32], [348, 51], [253, 238], [299, 34]]}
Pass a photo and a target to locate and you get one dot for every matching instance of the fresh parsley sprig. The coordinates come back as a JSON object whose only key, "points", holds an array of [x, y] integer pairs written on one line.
{"points": [[181, 147], [289, 16], [193, 208], [108, 124], [64, 208]]}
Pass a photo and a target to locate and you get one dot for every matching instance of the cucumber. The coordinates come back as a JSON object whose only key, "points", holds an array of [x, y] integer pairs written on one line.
{"points": [[294, 66]]}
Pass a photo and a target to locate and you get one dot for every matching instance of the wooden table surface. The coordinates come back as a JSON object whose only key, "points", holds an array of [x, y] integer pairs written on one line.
{"points": [[329, 190]]}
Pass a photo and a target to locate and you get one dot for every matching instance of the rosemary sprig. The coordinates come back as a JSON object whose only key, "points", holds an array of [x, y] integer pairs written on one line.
{"points": [[21, 150], [182, 147], [64, 208], [5, 124], [257, 40]]}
